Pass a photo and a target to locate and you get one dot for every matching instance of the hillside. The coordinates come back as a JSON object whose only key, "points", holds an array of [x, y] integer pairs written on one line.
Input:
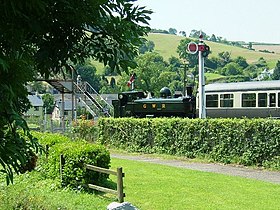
{"points": [[166, 45]]}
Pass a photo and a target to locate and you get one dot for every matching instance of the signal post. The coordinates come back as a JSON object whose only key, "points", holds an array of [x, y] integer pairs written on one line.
{"points": [[203, 51]]}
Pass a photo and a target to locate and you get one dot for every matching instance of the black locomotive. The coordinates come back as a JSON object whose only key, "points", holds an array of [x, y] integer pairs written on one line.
{"points": [[139, 104]]}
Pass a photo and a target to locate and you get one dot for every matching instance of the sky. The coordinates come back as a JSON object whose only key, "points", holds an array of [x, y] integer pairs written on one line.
{"points": [[234, 20]]}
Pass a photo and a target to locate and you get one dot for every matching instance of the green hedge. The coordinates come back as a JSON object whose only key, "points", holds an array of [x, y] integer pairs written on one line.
{"points": [[76, 154], [243, 141]]}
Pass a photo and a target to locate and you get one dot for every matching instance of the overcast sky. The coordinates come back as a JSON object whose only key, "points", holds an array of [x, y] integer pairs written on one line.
{"points": [[235, 20]]}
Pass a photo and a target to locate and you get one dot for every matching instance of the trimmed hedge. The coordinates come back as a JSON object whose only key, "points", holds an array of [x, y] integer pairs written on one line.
{"points": [[243, 141], [76, 154]]}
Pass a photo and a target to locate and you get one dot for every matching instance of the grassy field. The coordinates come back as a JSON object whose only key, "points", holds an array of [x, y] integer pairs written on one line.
{"points": [[166, 45], [147, 186]]}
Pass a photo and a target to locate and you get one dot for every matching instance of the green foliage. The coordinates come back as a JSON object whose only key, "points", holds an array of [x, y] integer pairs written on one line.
{"points": [[172, 31], [46, 37], [150, 66], [243, 141], [183, 54], [85, 129], [88, 74], [33, 191], [276, 72], [17, 149], [147, 46], [231, 69], [48, 100], [76, 154]]}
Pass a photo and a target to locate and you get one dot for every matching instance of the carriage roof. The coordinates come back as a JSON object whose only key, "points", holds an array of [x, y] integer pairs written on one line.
{"points": [[243, 86]]}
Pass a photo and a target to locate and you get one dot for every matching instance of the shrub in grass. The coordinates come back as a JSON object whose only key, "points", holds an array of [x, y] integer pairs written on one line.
{"points": [[85, 129], [76, 153]]}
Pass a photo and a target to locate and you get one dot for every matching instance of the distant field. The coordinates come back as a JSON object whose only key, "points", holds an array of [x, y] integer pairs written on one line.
{"points": [[166, 45], [271, 48]]}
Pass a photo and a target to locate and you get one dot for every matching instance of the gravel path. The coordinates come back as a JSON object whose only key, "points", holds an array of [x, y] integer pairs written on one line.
{"points": [[268, 176]]}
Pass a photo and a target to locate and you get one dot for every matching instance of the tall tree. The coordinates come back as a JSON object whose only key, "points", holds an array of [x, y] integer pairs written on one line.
{"points": [[45, 37], [276, 72]]}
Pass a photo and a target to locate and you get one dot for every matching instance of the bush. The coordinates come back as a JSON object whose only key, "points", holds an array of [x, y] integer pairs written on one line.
{"points": [[76, 154], [85, 129], [243, 141]]}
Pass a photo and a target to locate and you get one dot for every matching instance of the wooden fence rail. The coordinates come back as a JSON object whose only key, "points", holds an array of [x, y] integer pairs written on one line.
{"points": [[119, 192]]}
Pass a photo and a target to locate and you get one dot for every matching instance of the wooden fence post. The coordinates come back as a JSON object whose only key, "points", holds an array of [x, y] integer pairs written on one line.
{"points": [[120, 184], [62, 162]]}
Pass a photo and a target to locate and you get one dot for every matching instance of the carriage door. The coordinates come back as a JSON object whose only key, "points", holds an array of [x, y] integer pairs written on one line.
{"points": [[272, 103]]}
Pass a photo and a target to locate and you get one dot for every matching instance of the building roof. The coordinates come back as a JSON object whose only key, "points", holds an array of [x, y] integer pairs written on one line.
{"points": [[243, 86], [35, 100], [67, 105]]}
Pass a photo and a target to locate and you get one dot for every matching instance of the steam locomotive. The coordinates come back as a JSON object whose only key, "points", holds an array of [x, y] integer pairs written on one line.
{"points": [[139, 104]]}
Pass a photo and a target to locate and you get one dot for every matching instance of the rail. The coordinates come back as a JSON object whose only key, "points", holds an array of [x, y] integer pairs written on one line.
{"points": [[119, 192]]}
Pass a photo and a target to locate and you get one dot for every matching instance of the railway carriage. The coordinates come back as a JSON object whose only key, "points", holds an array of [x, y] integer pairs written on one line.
{"points": [[243, 99]]}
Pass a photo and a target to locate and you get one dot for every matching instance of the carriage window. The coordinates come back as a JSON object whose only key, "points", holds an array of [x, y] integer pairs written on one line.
{"points": [[278, 99], [248, 100], [226, 100], [272, 100], [212, 100], [262, 99]]}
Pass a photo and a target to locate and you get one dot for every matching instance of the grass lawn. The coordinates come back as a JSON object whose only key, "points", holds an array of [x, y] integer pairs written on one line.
{"points": [[147, 186], [150, 186]]}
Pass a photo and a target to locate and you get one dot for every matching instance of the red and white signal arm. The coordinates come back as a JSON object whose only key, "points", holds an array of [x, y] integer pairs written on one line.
{"points": [[192, 48]]}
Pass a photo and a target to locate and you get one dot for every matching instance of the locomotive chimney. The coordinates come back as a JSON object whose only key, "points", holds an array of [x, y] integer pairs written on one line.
{"points": [[189, 90]]}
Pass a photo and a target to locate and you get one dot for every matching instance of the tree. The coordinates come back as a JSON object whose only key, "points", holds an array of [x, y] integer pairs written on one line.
{"points": [[250, 46], [46, 37], [88, 74], [48, 101], [232, 69], [224, 58], [172, 31], [183, 33], [213, 38], [276, 72], [241, 61], [195, 34], [147, 46], [150, 66]]}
